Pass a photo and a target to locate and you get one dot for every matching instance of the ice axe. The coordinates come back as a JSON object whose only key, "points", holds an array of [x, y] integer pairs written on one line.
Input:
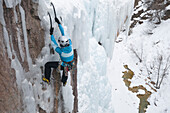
{"points": [[51, 27], [55, 11]]}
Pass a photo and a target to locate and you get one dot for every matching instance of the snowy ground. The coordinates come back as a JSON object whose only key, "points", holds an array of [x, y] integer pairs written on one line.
{"points": [[123, 55], [120, 99]]}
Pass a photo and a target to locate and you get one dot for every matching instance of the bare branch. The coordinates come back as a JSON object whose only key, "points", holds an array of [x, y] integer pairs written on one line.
{"points": [[147, 69], [160, 58], [140, 59], [165, 69]]}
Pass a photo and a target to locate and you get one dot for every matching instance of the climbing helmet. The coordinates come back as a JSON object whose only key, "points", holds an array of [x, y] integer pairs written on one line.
{"points": [[63, 41]]}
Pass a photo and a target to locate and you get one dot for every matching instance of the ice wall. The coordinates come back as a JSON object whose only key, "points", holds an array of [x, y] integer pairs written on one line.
{"points": [[84, 19], [102, 20], [94, 90], [107, 18], [28, 82], [22, 82]]}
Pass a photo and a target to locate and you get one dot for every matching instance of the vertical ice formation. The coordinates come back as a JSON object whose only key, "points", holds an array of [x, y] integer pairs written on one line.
{"points": [[101, 19], [94, 90], [108, 17], [29, 60], [20, 46], [1, 13], [5, 33], [19, 37], [85, 19], [11, 3], [22, 83], [68, 96]]}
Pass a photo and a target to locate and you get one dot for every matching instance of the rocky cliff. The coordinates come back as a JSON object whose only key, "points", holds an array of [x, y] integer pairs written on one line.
{"points": [[21, 43], [10, 95]]}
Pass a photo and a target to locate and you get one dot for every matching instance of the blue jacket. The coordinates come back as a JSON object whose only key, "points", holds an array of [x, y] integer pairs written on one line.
{"points": [[66, 53]]}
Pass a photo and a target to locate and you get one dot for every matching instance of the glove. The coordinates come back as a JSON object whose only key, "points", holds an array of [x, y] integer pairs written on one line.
{"points": [[51, 30], [56, 20]]}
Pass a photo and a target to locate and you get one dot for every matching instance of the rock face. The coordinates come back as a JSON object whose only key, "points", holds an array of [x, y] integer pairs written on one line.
{"points": [[10, 95], [155, 12], [35, 33], [74, 83], [136, 3]]}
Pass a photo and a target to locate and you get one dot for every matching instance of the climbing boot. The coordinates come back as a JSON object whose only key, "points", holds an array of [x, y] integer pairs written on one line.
{"points": [[64, 83], [46, 80]]}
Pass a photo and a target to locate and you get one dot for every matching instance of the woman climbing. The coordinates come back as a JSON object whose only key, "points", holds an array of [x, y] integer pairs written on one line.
{"points": [[66, 55]]}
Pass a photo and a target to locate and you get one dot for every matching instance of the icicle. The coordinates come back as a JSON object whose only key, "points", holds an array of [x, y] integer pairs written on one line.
{"points": [[6, 38], [29, 60], [19, 38], [11, 3], [28, 99], [1, 14], [20, 46], [5, 33], [15, 15], [67, 96], [16, 65]]}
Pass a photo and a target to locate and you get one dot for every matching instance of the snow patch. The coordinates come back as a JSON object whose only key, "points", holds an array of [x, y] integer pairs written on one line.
{"points": [[150, 41], [168, 7]]}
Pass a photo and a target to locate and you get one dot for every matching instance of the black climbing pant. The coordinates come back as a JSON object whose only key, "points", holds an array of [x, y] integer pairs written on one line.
{"points": [[50, 65]]}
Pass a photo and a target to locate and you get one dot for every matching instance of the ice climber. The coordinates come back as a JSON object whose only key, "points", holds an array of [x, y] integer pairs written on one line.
{"points": [[65, 50]]}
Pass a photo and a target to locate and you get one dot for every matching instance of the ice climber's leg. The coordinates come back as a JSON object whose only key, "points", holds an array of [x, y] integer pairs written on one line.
{"points": [[48, 67], [64, 77]]}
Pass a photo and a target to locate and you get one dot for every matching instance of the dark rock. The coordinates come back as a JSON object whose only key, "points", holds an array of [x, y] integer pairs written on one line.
{"points": [[10, 95]]}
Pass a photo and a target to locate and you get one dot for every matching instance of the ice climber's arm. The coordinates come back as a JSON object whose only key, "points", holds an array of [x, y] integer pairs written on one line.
{"points": [[61, 29], [70, 42], [60, 26], [55, 45], [54, 41], [58, 50]]}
